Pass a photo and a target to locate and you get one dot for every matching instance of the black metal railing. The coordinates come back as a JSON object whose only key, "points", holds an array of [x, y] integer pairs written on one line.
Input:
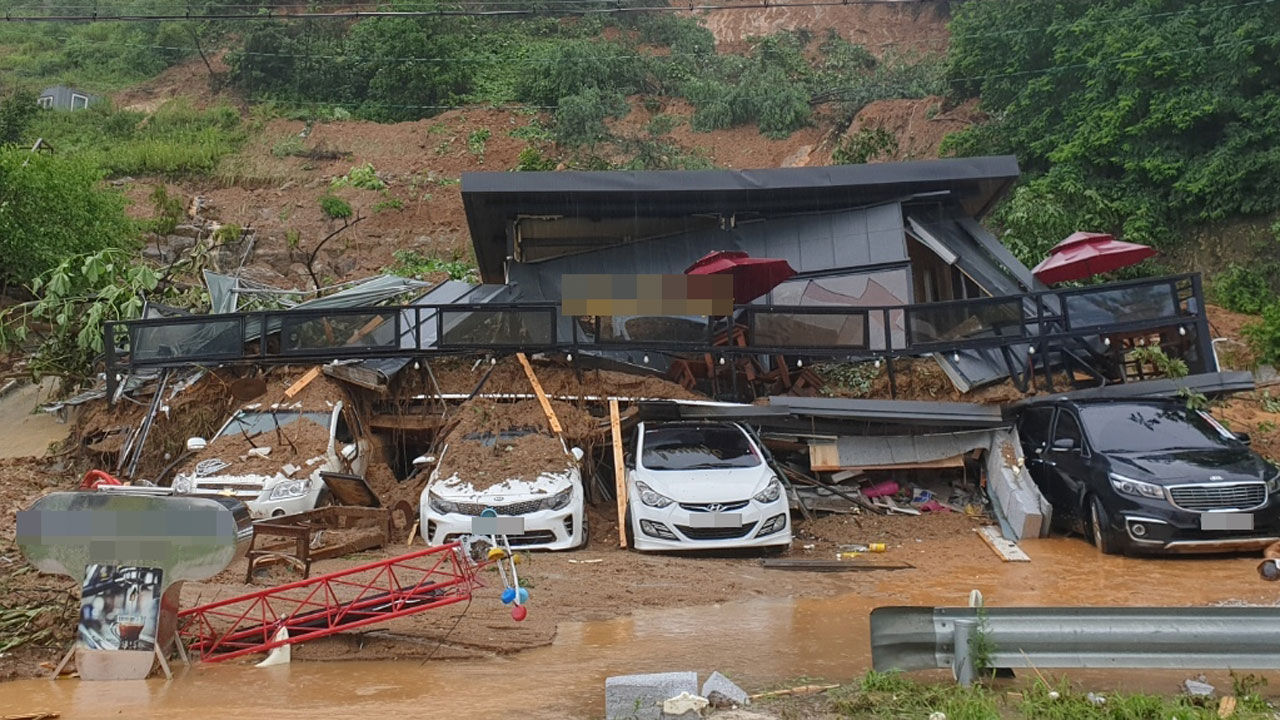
{"points": [[324, 334]]}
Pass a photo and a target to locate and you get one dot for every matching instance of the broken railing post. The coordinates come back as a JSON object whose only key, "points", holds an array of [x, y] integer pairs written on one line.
{"points": [[130, 555]]}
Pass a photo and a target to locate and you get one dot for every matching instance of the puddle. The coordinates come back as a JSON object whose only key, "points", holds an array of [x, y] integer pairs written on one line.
{"points": [[757, 642], [26, 434]]}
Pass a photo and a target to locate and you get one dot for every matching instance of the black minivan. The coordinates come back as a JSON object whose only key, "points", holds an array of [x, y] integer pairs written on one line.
{"points": [[1146, 476]]}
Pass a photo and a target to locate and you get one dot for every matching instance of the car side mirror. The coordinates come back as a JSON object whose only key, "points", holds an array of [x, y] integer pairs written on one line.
{"points": [[1243, 437], [196, 444], [629, 460], [349, 452], [577, 453], [1064, 444]]}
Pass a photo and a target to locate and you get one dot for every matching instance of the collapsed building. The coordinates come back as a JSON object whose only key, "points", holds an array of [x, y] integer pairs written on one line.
{"points": [[891, 262]]}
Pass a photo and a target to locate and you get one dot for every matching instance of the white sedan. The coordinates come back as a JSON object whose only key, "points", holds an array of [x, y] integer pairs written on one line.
{"points": [[547, 503], [703, 485]]}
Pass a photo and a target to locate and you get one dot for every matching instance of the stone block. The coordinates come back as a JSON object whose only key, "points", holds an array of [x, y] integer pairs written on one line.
{"points": [[640, 697], [723, 692]]}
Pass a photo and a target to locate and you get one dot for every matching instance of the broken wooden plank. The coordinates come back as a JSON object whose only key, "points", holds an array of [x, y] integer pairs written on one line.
{"points": [[817, 565], [388, 421], [552, 420], [619, 472], [1007, 550], [302, 382]]}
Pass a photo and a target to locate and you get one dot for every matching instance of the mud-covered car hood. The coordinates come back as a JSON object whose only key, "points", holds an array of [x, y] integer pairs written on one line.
{"points": [[1174, 466], [458, 489]]}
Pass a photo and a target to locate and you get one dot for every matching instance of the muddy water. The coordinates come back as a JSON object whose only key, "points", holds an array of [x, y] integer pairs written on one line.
{"points": [[25, 434], [756, 642]]}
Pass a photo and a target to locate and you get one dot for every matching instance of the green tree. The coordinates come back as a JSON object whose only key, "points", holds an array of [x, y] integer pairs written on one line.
{"points": [[52, 207], [1151, 114], [16, 113]]}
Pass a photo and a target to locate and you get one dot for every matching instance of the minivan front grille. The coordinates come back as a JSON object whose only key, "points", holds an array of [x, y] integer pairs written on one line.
{"points": [[1219, 496]]}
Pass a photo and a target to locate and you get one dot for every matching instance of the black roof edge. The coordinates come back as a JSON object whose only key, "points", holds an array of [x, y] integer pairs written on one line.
{"points": [[1207, 384]]}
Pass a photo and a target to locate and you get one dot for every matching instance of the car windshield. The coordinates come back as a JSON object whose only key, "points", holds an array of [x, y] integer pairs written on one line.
{"points": [[1135, 428], [489, 439], [253, 423], [697, 447]]}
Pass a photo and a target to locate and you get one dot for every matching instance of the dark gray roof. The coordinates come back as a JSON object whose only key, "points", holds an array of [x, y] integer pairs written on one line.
{"points": [[493, 199], [1219, 383]]}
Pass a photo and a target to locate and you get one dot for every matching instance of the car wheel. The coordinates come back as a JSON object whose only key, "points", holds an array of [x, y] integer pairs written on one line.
{"points": [[776, 550], [1104, 538]]}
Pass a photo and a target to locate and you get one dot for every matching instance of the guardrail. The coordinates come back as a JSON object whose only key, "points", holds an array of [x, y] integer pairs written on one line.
{"points": [[323, 334], [968, 640]]}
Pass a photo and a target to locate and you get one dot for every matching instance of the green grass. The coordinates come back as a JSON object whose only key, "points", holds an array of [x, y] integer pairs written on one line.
{"points": [[176, 140], [409, 263], [891, 696]]}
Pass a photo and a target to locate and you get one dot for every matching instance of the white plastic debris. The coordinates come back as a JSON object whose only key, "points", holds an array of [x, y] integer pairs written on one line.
{"points": [[1096, 699], [937, 716], [280, 655], [1054, 695], [259, 452], [289, 469]]}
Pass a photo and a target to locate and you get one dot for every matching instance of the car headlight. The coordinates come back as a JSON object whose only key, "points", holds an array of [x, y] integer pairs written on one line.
{"points": [[1129, 486], [183, 485], [441, 505], [559, 501], [287, 490], [770, 493], [1273, 485], [651, 498]]}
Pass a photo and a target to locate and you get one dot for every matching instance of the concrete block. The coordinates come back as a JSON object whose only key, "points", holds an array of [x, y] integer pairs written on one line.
{"points": [[640, 697], [723, 692]]}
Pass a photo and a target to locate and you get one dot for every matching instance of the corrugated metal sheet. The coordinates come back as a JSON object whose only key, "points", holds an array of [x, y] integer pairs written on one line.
{"points": [[939, 414], [882, 450]]}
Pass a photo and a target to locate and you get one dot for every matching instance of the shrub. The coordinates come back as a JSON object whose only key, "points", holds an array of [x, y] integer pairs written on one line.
{"points": [[361, 176], [580, 118], [58, 200], [1242, 289], [16, 115], [1264, 336], [410, 263], [864, 145], [335, 207], [531, 160]]}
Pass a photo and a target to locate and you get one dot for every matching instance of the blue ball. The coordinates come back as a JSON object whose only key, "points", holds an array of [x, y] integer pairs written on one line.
{"points": [[508, 595], [524, 596]]}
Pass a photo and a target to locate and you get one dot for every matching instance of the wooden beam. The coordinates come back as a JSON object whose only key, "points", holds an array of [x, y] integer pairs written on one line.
{"points": [[1006, 549], [552, 420], [302, 382], [619, 472]]}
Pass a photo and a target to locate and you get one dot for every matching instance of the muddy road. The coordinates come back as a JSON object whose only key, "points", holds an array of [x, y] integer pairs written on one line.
{"points": [[635, 613]]}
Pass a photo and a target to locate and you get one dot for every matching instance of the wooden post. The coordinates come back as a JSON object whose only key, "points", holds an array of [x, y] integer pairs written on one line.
{"points": [[619, 471], [552, 420]]}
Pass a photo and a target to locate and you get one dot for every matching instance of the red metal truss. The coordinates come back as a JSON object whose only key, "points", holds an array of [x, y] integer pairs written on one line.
{"points": [[328, 604]]}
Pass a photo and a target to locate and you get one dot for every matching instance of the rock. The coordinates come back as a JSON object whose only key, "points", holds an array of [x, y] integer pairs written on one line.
{"points": [[1197, 688], [684, 705], [1096, 699], [722, 692], [641, 696], [937, 716]]}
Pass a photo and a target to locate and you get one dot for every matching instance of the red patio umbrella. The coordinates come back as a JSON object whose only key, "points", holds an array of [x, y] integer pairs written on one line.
{"points": [[752, 277], [1084, 254]]}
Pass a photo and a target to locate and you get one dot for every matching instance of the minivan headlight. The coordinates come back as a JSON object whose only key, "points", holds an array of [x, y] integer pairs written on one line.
{"points": [[652, 498], [559, 501], [1137, 488], [770, 493], [1273, 485]]}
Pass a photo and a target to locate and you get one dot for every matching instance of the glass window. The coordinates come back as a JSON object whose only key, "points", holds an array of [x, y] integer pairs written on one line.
{"points": [[1033, 426], [1068, 429], [696, 447], [1136, 428]]}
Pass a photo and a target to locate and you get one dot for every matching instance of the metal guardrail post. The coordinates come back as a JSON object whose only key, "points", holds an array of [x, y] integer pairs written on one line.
{"points": [[963, 666]]}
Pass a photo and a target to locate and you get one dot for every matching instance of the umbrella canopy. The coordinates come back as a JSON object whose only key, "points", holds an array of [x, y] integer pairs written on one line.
{"points": [[752, 277], [1084, 254]]}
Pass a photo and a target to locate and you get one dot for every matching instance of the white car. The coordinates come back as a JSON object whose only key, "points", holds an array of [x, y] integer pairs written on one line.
{"points": [[226, 467], [703, 485], [548, 501]]}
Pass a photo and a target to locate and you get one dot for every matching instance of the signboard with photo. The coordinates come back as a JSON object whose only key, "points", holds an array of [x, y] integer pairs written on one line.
{"points": [[119, 607]]}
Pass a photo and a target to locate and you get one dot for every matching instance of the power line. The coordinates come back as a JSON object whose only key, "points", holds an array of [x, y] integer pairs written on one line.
{"points": [[441, 12]]}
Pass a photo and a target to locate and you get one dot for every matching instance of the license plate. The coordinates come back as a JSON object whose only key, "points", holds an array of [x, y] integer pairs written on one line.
{"points": [[1226, 521], [715, 520], [497, 525]]}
